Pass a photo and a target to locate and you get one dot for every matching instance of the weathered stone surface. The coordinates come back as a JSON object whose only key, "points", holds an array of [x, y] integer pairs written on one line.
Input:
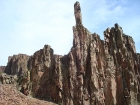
{"points": [[18, 64], [19, 67], [8, 79], [2, 68], [94, 72], [77, 13]]}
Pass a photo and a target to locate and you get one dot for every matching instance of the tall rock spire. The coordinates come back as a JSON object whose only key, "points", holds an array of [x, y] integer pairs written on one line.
{"points": [[94, 72], [77, 13]]}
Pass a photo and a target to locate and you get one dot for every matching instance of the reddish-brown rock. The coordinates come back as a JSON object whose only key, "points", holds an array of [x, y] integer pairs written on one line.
{"points": [[10, 96], [94, 72], [2, 68]]}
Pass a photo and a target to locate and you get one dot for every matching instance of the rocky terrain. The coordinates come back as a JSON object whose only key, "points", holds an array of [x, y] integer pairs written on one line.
{"points": [[10, 96], [94, 72]]}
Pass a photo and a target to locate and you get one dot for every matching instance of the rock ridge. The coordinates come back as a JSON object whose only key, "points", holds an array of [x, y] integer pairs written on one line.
{"points": [[94, 72]]}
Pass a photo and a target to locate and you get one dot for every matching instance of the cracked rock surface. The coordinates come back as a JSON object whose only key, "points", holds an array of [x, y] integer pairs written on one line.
{"points": [[94, 72]]}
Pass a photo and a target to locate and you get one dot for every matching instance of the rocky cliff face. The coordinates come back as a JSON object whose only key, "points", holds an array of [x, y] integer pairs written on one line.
{"points": [[2, 68], [94, 72]]}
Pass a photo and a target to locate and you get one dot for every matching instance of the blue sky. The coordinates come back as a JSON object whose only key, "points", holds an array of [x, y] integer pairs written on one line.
{"points": [[27, 25]]}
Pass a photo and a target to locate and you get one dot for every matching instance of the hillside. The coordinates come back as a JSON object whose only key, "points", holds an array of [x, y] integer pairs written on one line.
{"points": [[9, 95]]}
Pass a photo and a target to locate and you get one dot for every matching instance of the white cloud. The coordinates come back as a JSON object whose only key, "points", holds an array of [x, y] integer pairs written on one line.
{"points": [[104, 11]]}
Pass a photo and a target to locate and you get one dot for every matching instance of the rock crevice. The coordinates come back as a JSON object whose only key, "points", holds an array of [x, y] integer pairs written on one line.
{"points": [[94, 72]]}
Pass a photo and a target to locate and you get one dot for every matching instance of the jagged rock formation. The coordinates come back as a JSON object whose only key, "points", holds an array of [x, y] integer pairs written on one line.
{"points": [[94, 72], [8, 79], [2, 68], [18, 64]]}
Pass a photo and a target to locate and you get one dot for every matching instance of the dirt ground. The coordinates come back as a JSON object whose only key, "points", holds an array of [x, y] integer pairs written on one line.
{"points": [[9, 95]]}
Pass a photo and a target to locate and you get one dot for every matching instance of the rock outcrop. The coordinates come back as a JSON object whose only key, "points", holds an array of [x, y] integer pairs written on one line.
{"points": [[18, 64], [94, 72], [8, 79], [2, 68]]}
